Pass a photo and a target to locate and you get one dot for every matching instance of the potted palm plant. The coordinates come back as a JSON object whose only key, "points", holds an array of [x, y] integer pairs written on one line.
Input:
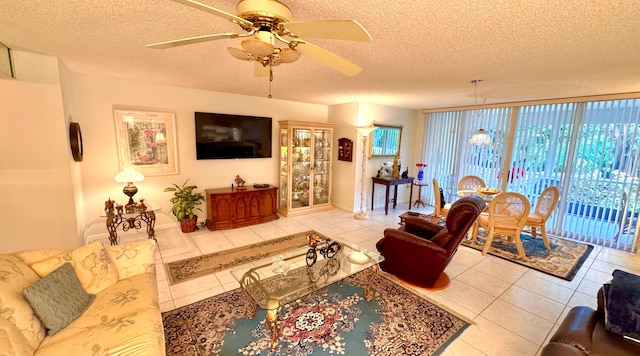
{"points": [[184, 201]]}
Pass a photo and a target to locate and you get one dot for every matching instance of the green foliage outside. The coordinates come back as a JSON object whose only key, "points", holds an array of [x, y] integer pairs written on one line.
{"points": [[603, 167]]}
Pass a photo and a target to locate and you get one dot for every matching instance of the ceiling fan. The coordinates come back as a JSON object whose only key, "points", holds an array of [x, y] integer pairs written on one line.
{"points": [[264, 22]]}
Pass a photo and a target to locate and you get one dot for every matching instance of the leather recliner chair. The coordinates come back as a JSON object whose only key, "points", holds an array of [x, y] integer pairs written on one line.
{"points": [[419, 251]]}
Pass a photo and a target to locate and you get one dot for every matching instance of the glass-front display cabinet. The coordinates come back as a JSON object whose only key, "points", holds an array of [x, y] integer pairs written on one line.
{"points": [[305, 167]]}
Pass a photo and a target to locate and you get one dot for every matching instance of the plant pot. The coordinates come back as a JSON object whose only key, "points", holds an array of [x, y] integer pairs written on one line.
{"points": [[189, 225]]}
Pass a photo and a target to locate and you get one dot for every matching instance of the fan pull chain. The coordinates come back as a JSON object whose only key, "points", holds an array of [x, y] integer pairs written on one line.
{"points": [[270, 79]]}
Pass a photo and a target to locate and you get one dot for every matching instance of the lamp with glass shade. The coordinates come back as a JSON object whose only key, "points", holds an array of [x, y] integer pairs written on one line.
{"points": [[129, 175]]}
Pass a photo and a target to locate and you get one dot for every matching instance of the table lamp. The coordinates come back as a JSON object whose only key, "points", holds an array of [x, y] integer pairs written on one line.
{"points": [[129, 175]]}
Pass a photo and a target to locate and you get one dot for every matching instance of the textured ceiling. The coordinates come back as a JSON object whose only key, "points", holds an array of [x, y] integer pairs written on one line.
{"points": [[423, 55]]}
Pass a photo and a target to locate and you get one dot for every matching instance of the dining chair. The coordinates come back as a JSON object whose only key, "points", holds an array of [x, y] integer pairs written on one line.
{"points": [[506, 215], [440, 210], [470, 183], [544, 207]]}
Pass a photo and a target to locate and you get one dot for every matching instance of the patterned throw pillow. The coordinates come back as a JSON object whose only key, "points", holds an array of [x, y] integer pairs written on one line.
{"points": [[58, 299], [134, 258], [92, 264]]}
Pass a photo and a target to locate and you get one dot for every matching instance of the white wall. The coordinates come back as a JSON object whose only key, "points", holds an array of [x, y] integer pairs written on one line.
{"points": [[347, 177], [387, 115], [37, 207], [49, 200], [344, 173], [94, 100]]}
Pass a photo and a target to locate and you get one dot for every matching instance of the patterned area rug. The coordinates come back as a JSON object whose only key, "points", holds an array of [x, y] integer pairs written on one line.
{"points": [[184, 270], [563, 261], [336, 320]]}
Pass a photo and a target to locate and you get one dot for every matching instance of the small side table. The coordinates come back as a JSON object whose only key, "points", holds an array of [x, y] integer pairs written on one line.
{"points": [[390, 182], [419, 201], [131, 221]]}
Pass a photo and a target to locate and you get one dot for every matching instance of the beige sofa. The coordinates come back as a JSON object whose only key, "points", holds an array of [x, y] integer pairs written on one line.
{"points": [[123, 319]]}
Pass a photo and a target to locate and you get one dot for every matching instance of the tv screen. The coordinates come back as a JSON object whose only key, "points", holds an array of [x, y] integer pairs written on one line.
{"points": [[222, 136]]}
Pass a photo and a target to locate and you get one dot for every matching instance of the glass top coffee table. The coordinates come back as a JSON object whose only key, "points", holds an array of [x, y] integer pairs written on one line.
{"points": [[275, 281]]}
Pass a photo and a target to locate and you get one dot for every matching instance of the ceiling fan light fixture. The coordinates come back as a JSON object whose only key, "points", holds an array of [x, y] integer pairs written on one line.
{"points": [[257, 47], [240, 54], [288, 55]]}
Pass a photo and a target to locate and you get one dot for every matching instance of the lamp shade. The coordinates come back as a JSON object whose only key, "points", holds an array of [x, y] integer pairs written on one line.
{"points": [[129, 175], [287, 55], [257, 47], [240, 54], [480, 138], [365, 130]]}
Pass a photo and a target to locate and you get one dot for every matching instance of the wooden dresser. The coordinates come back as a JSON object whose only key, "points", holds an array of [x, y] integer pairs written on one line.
{"points": [[230, 208]]}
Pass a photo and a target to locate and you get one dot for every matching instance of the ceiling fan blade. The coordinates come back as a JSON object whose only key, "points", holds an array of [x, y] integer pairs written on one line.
{"points": [[191, 40], [333, 29], [329, 58], [212, 10], [259, 70]]}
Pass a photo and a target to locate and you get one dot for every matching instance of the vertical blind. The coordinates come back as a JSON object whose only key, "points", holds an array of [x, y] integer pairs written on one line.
{"points": [[590, 151]]}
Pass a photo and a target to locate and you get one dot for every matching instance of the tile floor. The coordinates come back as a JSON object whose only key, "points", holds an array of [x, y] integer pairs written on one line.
{"points": [[514, 309]]}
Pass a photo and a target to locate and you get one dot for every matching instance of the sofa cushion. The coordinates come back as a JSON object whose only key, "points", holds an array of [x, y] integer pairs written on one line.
{"points": [[33, 256], [133, 258], [58, 299], [15, 275], [124, 319], [92, 264], [622, 304], [12, 342]]}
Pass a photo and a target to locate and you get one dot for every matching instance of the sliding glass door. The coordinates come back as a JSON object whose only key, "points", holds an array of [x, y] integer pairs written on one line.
{"points": [[590, 151]]}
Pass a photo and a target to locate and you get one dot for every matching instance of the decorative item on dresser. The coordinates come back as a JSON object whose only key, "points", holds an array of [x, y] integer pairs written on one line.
{"points": [[184, 201], [305, 167], [228, 208], [240, 183]]}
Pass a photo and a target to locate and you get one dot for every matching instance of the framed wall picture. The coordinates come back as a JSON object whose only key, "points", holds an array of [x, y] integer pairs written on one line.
{"points": [[146, 140], [345, 149]]}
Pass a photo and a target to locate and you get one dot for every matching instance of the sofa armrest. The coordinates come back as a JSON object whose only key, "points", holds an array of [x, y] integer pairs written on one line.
{"points": [[421, 227], [577, 328], [560, 349]]}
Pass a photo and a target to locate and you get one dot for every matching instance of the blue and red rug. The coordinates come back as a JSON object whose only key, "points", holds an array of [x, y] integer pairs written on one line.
{"points": [[563, 261], [333, 321]]}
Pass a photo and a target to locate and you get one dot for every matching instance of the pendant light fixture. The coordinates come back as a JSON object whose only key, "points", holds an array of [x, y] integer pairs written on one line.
{"points": [[480, 137]]}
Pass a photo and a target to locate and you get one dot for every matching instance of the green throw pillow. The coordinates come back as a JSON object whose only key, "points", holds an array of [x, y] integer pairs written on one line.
{"points": [[58, 299]]}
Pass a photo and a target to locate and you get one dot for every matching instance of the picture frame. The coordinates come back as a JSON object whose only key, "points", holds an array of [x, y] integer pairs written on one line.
{"points": [[385, 141], [146, 140]]}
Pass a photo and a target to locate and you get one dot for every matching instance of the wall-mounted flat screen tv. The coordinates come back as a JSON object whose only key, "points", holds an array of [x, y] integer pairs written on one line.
{"points": [[223, 136]]}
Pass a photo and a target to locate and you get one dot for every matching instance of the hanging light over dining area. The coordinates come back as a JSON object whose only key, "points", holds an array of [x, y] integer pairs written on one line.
{"points": [[480, 137]]}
